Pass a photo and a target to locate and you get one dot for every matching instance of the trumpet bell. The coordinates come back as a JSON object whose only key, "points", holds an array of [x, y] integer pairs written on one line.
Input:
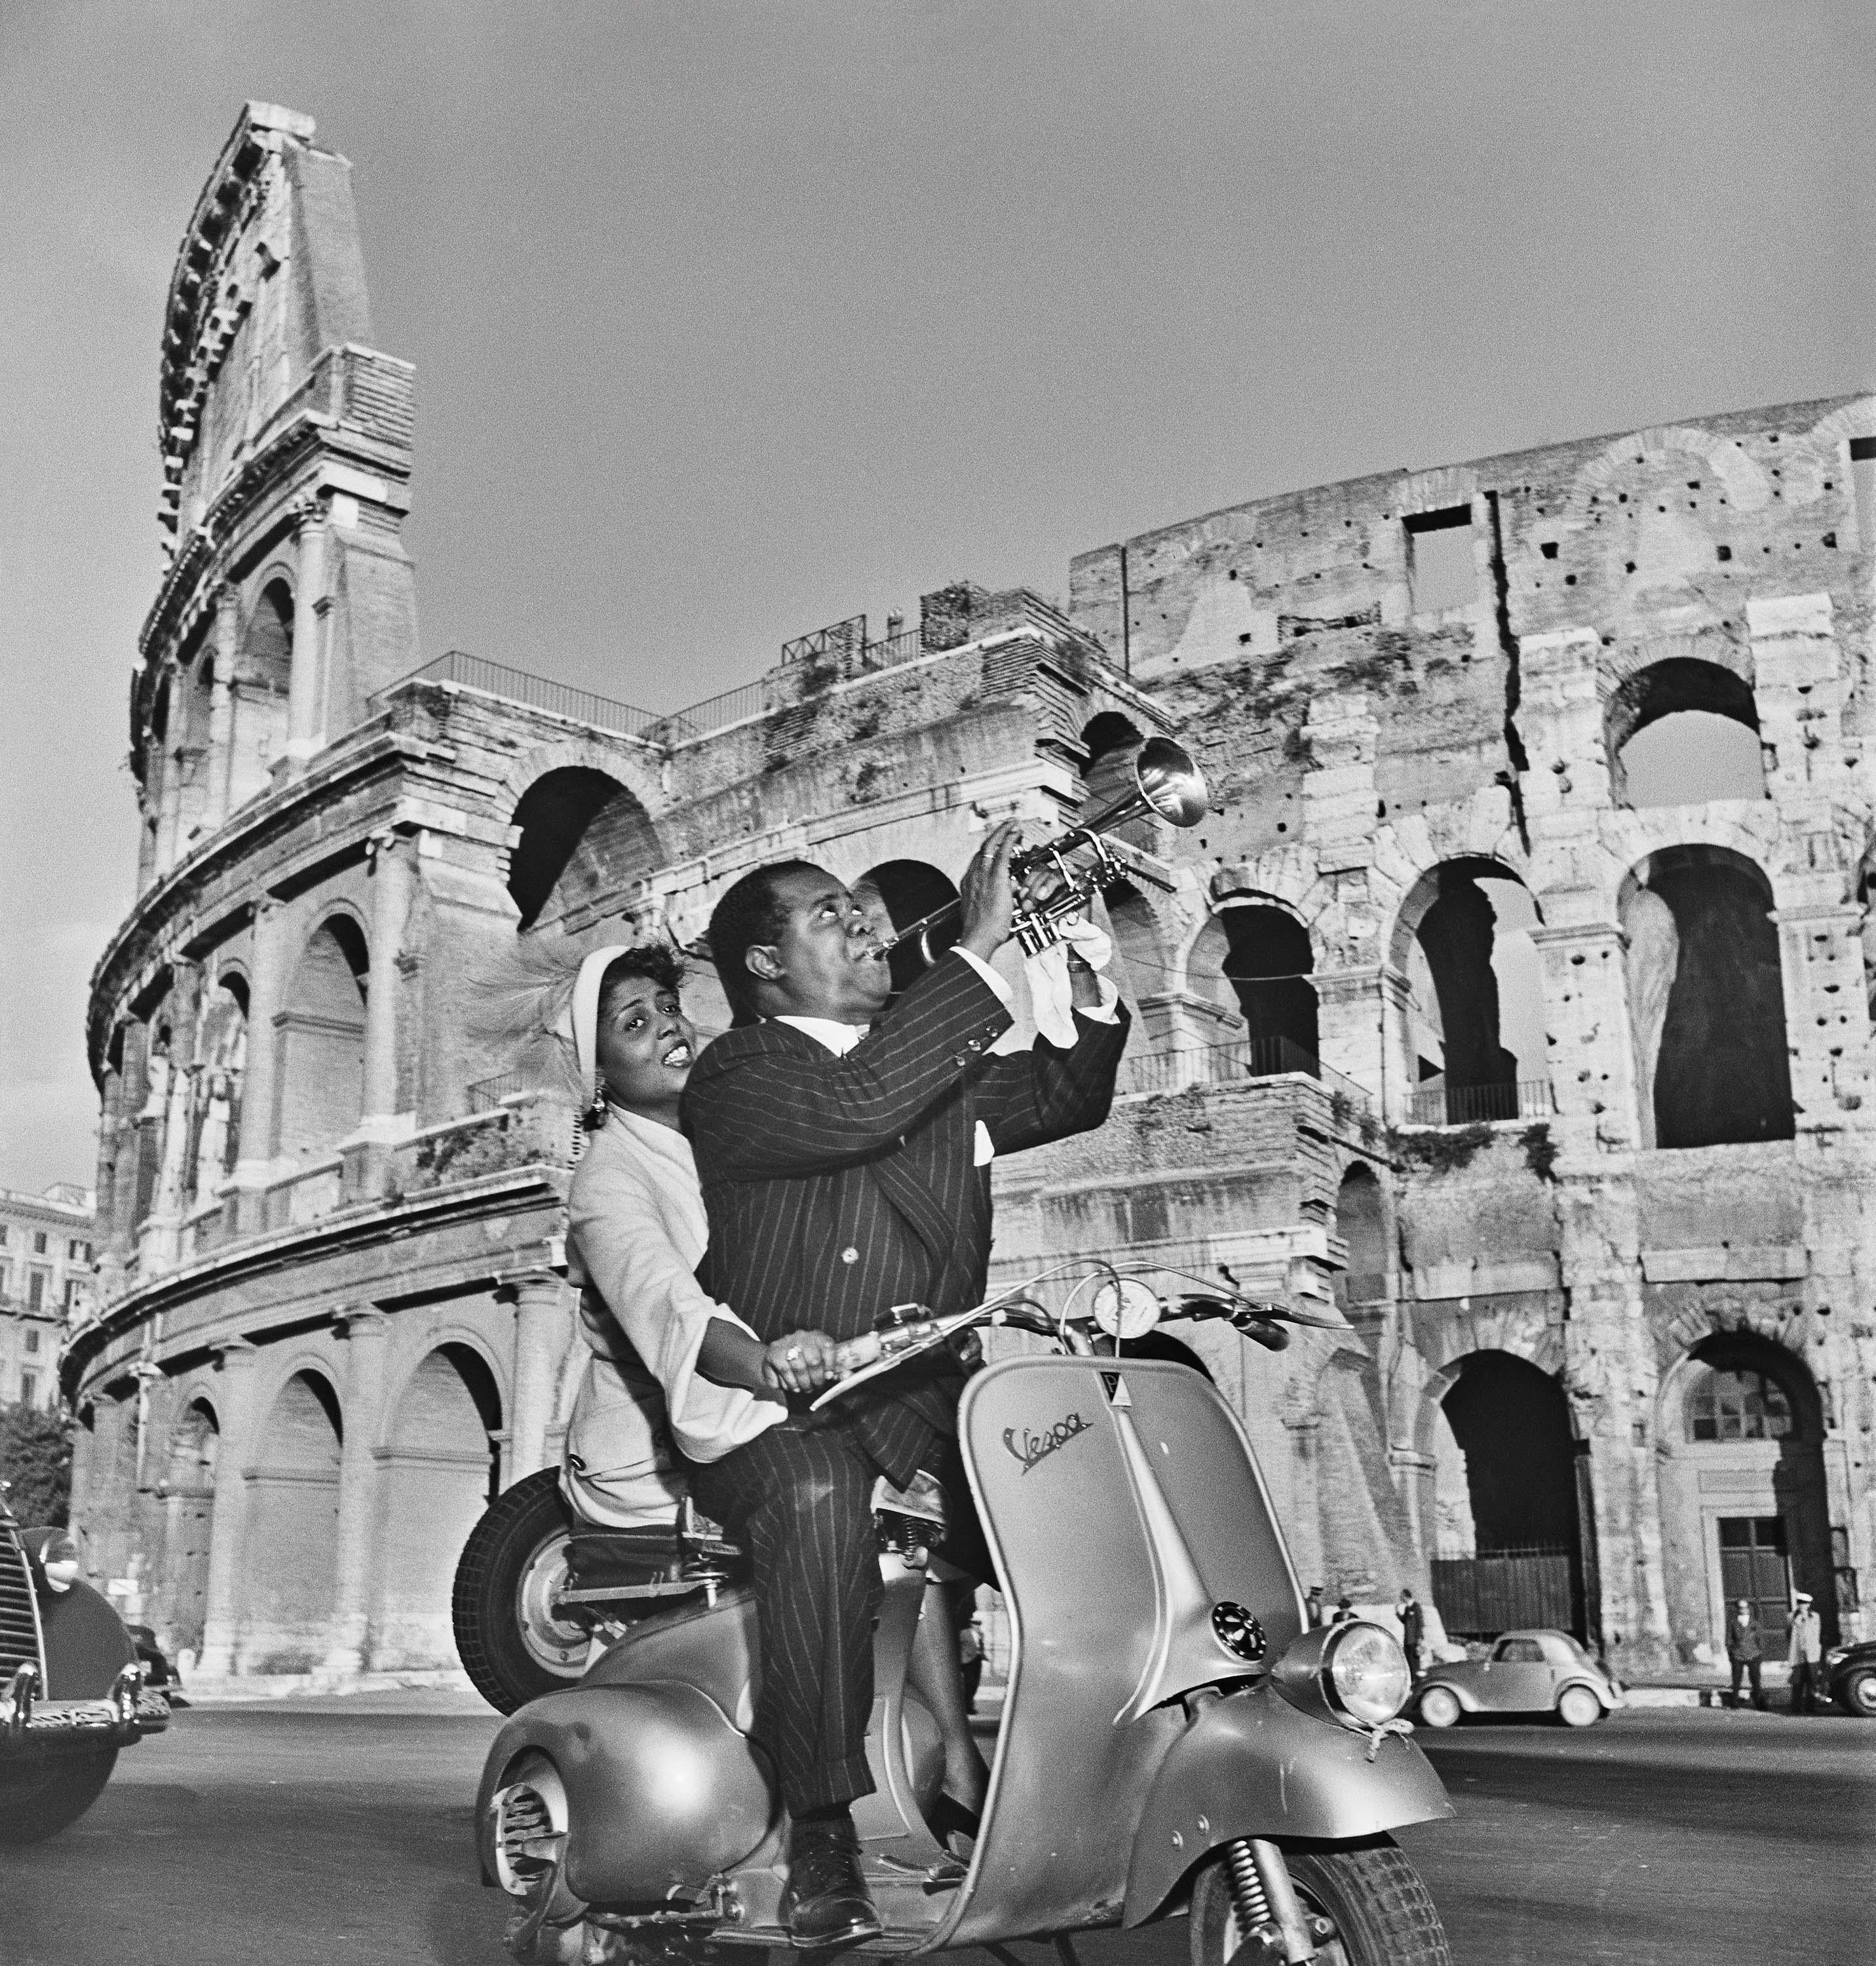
{"points": [[1171, 783]]}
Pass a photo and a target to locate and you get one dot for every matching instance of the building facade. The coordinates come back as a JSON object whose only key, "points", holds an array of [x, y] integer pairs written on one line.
{"points": [[46, 1259], [1561, 1095]]}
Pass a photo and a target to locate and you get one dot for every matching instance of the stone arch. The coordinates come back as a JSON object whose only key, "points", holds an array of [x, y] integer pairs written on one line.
{"points": [[321, 1038], [1681, 729], [1740, 1422], [1266, 962], [222, 1049], [1362, 1223], [1462, 937], [293, 1515], [906, 891], [440, 1469], [585, 842], [1706, 988], [1511, 1422]]}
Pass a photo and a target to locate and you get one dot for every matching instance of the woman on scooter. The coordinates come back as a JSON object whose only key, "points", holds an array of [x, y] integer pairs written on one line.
{"points": [[638, 1230]]}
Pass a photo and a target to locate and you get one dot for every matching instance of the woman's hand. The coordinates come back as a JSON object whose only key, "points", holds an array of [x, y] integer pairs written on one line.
{"points": [[802, 1363]]}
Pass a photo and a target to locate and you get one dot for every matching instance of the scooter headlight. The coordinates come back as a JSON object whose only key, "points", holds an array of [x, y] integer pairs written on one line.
{"points": [[1365, 1673]]}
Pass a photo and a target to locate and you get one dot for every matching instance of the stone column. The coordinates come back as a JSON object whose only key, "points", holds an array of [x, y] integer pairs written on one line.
{"points": [[543, 1326], [1351, 1026], [392, 877], [306, 689], [219, 764], [1591, 1054], [253, 1168], [222, 1620], [356, 1591]]}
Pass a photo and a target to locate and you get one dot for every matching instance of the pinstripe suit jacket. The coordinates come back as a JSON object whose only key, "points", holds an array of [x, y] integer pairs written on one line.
{"points": [[837, 1188]]}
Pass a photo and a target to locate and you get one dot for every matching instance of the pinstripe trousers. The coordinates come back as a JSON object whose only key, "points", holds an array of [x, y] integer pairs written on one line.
{"points": [[800, 1503]]}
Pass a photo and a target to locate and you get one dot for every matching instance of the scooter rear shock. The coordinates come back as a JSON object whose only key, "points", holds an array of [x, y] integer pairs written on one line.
{"points": [[1247, 1890]]}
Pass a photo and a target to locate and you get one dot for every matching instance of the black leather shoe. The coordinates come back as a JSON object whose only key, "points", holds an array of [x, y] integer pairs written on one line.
{"points": [[827, 1902]]}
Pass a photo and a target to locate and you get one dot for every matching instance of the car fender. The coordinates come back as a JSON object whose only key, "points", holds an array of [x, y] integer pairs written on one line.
{"points": [[1467, 1695], [662, 1792], [1252, 1764], [86, 1644], [1588, 1686]]}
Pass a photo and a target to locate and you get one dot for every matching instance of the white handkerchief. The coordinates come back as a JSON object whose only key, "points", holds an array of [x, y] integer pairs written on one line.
{"points": [[1051, 995]]}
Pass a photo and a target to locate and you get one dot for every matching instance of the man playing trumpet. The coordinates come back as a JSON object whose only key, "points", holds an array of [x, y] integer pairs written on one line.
{"points": [[845, 1150]]}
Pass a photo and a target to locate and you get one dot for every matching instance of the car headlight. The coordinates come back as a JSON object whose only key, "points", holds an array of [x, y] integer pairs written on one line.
{"points": [[58, 1562], [1836, 1653], [1365, 1673]]}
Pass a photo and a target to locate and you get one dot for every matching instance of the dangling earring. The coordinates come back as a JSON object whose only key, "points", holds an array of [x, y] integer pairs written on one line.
{"points": [[595, 1116]]}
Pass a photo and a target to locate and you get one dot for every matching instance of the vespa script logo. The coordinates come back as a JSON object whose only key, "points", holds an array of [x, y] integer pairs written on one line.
{"points": [[1031, 1448]]}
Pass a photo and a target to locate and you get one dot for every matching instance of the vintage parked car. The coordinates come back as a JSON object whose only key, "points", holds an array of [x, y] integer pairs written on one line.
{"points": [[1849, 1677], [1525, 1672], [72, 1690]]}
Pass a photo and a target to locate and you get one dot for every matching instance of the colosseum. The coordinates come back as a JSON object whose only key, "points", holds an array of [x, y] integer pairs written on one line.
{"points": [[1511, 1004]]}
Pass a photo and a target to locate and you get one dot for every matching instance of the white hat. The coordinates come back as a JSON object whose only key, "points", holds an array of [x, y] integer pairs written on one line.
{"points": [[583, 1015]]}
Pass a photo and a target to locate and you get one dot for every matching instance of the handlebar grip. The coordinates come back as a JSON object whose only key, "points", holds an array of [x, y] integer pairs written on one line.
{"points": [[852, 1353]]}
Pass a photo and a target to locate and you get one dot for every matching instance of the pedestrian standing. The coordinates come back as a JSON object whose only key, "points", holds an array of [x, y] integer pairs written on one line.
{"points": [[1413, 1630], [1804, 1641], [1745, 1646], [1312, 1606], [1345, 1612]]}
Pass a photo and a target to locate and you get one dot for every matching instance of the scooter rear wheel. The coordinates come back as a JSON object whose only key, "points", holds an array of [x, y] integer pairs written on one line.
{"points": [[512, 1645], [1382, 1913]]}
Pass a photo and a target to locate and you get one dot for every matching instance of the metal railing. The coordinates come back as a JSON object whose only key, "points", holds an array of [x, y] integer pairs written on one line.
{"points": [[1237, 1059], [1476, 1105], [694, 720], [558, 699], [487, 1093]]}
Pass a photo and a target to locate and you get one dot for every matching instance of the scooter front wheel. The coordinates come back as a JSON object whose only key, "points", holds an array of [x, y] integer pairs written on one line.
{"points": [[1378, 1911]]}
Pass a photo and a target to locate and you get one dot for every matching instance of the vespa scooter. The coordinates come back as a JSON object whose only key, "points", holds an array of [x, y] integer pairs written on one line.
{"points": [[1173, 1740]]}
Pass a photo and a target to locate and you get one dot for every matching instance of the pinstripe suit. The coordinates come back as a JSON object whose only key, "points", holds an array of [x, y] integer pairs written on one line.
{"points": [[836, 1187]]}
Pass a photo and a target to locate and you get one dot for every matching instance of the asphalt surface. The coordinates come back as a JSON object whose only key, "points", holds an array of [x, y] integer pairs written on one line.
{"points": [[338, 1833]]}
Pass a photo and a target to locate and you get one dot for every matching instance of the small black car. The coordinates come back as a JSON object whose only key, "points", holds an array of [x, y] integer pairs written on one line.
{"points": [[1848, 1674], [72, 1690]]}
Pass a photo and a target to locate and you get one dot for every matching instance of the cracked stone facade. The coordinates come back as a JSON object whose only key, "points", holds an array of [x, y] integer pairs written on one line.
{"points": [[332, 1317]]}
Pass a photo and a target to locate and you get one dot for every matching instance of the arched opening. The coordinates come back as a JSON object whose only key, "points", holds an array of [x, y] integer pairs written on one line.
{"points": [[1475, 1010], [1682, 731], [1267, 962], [586, 839], [259, 690], [905, 891], [322, 1041], [217, 1142], [1745, 1489], [1706, 1000], [441, 1469], [1360, 1221], [293, 1527], [1511, 1425], [188, 1490]]}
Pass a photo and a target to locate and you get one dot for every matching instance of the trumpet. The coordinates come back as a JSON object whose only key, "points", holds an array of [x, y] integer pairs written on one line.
{"points": [[1167, 785]]}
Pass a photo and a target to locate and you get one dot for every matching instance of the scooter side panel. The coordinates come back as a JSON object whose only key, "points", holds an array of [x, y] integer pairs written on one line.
{"points": [[1253, 1765], [1048, 1459], [662, 1792]]}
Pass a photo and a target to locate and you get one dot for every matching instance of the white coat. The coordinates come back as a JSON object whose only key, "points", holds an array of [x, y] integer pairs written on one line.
{"points": [[636, 1232]]}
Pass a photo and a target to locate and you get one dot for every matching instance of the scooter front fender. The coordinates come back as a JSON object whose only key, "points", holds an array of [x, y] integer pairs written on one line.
{"points": [[662, 1792], [1252, 1764]]}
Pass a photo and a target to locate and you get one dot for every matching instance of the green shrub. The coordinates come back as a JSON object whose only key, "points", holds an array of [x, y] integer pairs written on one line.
{"points": [[36, 1457]]}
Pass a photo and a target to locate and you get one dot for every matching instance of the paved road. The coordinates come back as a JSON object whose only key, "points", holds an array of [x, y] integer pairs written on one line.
{"points": [[333, 1835]]}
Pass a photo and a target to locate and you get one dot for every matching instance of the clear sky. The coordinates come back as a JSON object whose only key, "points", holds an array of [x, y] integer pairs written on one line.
{"points": [[732, 320]]}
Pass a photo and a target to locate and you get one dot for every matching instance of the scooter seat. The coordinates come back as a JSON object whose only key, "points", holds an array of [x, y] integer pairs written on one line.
{"points": [[596, 1557]]}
